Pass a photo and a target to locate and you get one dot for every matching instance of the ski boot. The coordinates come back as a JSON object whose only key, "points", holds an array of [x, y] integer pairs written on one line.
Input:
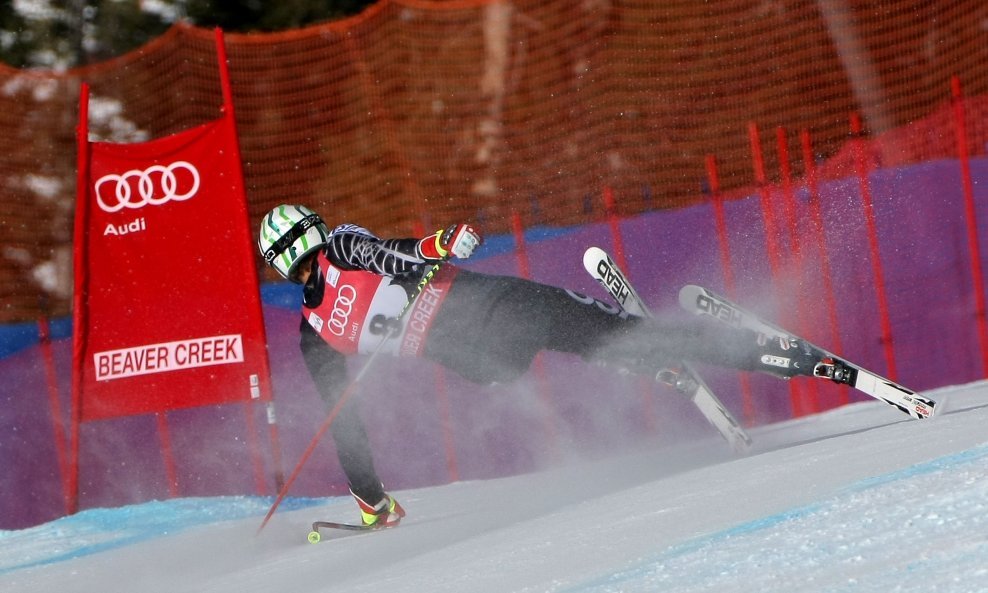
{"points": [[385, 513], [787, 357]]}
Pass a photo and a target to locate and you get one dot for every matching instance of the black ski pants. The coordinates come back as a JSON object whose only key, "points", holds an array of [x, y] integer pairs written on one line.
{"points": [[491, 327]]}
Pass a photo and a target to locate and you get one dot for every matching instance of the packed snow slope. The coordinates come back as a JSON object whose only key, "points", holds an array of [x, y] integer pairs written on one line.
{"points": [[857, 499]]}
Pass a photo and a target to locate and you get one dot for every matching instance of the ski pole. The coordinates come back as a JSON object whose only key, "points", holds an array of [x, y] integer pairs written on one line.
{"points": [[345, 395]]}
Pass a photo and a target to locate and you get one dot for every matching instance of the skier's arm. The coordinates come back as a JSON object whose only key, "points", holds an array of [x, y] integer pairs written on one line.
{"points": [[328, 370], [354, 248]]}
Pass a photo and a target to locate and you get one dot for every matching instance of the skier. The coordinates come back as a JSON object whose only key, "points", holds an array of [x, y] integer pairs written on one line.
{"points": [[486, 328]]}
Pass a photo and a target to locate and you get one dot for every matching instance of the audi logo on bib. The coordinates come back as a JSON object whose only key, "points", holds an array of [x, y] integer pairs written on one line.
{"points": [[342, 309], [156, 185]]}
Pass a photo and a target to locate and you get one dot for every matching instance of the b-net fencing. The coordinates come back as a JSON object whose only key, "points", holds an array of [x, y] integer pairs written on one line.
{"points": [[425, 113]]}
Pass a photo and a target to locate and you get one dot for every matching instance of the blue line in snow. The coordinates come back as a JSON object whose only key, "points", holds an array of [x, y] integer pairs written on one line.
{"points": [[66, 538], [612, 582]]}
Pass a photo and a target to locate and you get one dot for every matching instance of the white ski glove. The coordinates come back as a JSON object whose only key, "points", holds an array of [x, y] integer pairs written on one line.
{"points": [[458, 240]]}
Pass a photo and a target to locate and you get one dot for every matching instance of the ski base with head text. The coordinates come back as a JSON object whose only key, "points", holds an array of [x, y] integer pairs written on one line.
{"points": [[704, 302], [682, 378]]}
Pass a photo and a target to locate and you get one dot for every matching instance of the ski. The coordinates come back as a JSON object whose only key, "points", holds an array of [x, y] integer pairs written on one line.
{"points": [[315, 537], [702, 301], [683, 379]]}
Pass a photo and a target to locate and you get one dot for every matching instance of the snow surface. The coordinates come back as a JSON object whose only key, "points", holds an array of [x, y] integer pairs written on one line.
{"points": [[857, 499]]}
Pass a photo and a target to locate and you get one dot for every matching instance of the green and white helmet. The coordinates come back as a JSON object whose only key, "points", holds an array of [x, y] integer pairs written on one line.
{"points": [[288, 234]]}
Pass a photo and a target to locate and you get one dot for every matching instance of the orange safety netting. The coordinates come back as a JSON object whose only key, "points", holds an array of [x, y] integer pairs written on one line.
{"points": [[426, 112]]}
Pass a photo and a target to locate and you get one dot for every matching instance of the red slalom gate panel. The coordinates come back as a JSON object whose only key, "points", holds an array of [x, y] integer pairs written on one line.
{"points": [[168, 317], [167, 311]]}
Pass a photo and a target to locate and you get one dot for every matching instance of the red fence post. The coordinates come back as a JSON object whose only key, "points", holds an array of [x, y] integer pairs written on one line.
{"points": [[78, 298], [167, 454], [445, 415], [768, 213], [614, 222], [442, 402], [812, 390], [817, 232], [861, 165], [279, 472], [55, 405], [538, 365], [773, 247], [977, 278], [720, 221], [788, 196], [252, 441]]}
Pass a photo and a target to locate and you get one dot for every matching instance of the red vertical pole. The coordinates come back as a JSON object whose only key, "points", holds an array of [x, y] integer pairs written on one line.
{"points": [[861, 166], [228, 110], [254, 446], [166, 453], [773, 246], [279, 475], [442, 402], [768, 212], [80, 293], [224, 72], [445, 416], [55, 405], [621, 259], [538, 365], [973, 245], [521, 249], [720, 220], [816, 216], [615, 224], [811, 388], [788, 196]]}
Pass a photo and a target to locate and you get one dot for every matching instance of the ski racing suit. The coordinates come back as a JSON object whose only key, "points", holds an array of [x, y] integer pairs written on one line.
{"points": [[487, 328]]}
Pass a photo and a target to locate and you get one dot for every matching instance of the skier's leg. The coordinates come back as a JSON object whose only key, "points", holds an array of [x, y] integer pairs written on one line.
{"points": [[527, 317], [491, 327], [652, 346], [660, 342]]}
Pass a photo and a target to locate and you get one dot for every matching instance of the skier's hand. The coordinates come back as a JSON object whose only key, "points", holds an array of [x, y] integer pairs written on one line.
{"points": [[458, 240]]}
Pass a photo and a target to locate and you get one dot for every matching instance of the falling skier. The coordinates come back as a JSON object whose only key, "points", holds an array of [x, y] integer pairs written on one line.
{"points": [[486, 328]]}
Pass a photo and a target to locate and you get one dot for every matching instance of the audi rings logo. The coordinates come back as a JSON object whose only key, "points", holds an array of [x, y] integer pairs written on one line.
{"points": [[155, 185], [341, 310]]}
